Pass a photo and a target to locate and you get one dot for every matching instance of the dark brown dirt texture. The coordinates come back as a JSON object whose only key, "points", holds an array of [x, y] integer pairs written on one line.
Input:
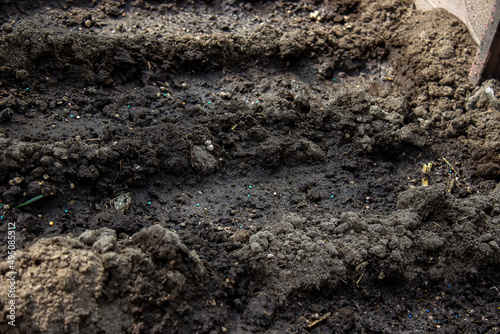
{"points": [[245, 167]]}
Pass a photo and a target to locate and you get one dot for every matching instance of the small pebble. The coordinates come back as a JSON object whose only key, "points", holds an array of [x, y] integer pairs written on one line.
{"points": [[88, 23]]}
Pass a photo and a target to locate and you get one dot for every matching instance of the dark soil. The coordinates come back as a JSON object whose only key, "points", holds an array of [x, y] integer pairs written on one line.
{"points": [[246, 167]]}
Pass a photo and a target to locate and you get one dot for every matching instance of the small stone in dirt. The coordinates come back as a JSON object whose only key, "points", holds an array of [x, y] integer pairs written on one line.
{"points": [[225, 95], [22, 74], [314, 195], [315, 16], [326, 70], [257, 133], [122, 202], [420, 112], [484, 98], [6, 115], [6, 27], [438, 91]]}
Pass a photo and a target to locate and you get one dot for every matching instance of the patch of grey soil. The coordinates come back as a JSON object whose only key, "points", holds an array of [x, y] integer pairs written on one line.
{"points": [[97, 283]]}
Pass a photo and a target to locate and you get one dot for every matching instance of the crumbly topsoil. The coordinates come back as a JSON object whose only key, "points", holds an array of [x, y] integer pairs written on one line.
{"points": [[246, 166]]}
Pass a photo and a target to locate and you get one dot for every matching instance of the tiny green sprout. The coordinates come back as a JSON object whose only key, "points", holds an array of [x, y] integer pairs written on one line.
{"points": [[34, 199]]}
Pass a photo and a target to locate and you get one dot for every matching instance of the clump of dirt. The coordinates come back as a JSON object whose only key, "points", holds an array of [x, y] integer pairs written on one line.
{"points": [[287, 167], [90, 280], [429, 238]]}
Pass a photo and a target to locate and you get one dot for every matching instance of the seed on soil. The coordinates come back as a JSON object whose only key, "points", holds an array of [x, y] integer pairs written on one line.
{"points": [[15, 181], [208, 142], [51, 223], [425, 181], [315, 16], [426, 168], [88, 23], [210, 147]]}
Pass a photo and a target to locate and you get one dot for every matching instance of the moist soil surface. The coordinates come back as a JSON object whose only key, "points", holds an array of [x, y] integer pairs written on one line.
{"points": [[245, 167]]}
